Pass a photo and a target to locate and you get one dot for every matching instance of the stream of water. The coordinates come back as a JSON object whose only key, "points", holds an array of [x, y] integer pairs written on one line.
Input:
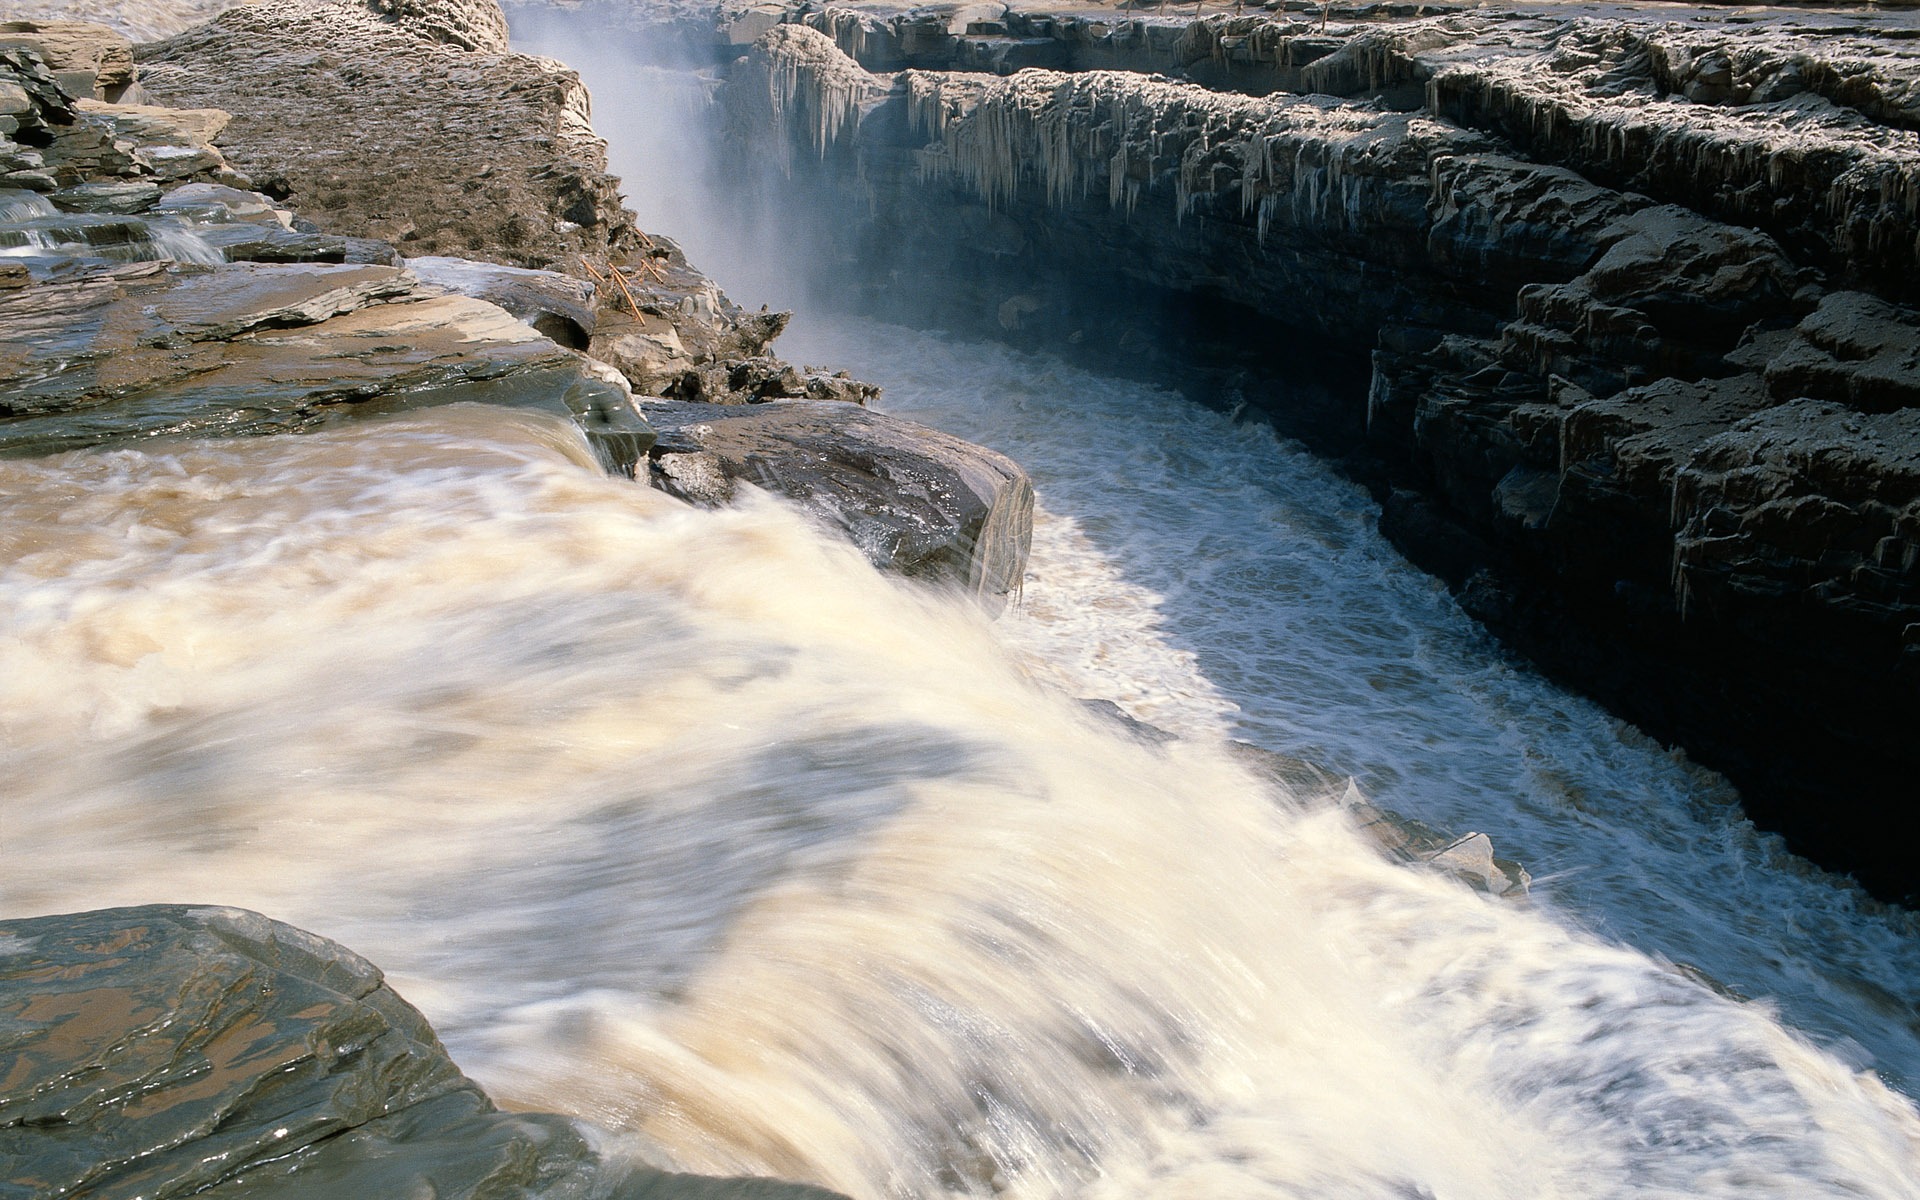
{"points": [[693, 825]]}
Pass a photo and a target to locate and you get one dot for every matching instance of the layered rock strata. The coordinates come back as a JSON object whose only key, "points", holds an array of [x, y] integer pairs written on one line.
{"points": [[1634, 293], [411, 121], [141, 303], [164, 349], [174, 1050]]}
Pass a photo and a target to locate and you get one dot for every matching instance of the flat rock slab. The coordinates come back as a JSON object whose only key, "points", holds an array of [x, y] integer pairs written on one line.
{"points": [[170, 1051], [156, 349], [557, 305], [915, 500]]}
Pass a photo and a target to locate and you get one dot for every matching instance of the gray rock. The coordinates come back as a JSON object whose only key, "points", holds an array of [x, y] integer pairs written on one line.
{"points": [[559, 306], [913, 499], [92, 60], [169, 350], [1856, 349], [108, 196], [170, 1051]]}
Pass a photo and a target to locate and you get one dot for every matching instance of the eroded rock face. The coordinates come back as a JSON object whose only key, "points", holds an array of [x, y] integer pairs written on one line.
{"points": [[913, 499], [54, 133], [88, 59], [173, 1050], [328, 100], [1587, 257]]}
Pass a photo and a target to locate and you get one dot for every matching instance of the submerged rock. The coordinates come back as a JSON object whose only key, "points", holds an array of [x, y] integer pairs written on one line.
{"points": [[913, 499], [172, 1050], [1468, 857]]}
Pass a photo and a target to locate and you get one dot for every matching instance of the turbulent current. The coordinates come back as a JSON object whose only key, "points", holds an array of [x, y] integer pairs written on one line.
{"points": [[691, 824]]}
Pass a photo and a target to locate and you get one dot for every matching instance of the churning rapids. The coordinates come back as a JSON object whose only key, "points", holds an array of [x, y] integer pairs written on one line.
{"points": [[691, 824]]}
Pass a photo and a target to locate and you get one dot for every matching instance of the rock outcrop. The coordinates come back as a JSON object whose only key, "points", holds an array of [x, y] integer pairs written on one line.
{"points": [[914, 500], [407, 121], [1634, 294], [172, 1051], [412, 122], [166, 349], [138, 304]]}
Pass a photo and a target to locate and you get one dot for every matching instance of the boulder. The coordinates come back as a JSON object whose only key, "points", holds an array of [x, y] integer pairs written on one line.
{"points": [[171, 1050], [913, 499], [51, 138]]}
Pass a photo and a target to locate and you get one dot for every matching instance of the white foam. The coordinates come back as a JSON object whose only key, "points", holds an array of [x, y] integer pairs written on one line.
{"points": [[690, 823]]}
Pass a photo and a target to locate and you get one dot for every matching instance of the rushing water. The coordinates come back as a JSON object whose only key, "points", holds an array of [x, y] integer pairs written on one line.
{"points": [[691, 824]]}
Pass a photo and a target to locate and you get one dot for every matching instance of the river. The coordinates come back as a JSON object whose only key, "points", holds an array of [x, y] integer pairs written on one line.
{"points": [[693, 825]]}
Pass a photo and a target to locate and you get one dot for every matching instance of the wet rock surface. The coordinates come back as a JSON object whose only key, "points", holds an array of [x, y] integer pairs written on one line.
{"points": [[141, 301], [329, 98], [913, 499], [1585, 256], [173, 1050], [159, 349]]}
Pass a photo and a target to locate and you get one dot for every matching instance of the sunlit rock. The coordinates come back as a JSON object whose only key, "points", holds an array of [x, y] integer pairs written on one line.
{"points": [[159, 349], [557, 305], [89, 60]]}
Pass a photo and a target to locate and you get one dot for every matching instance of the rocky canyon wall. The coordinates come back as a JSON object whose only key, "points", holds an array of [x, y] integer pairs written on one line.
{"points": [[1631, 293]]}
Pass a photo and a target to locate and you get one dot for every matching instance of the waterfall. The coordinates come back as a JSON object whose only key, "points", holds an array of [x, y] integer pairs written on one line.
{"points": [[693, 825], [690, 823], [117, 238], [17, 205]]}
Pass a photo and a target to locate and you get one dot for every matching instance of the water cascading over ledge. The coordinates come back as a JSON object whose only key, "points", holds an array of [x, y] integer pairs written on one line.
{"points": [[1655, 428]]}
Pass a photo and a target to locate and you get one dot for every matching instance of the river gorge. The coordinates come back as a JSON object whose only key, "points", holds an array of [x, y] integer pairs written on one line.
{"points": [[1158, 864]]}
